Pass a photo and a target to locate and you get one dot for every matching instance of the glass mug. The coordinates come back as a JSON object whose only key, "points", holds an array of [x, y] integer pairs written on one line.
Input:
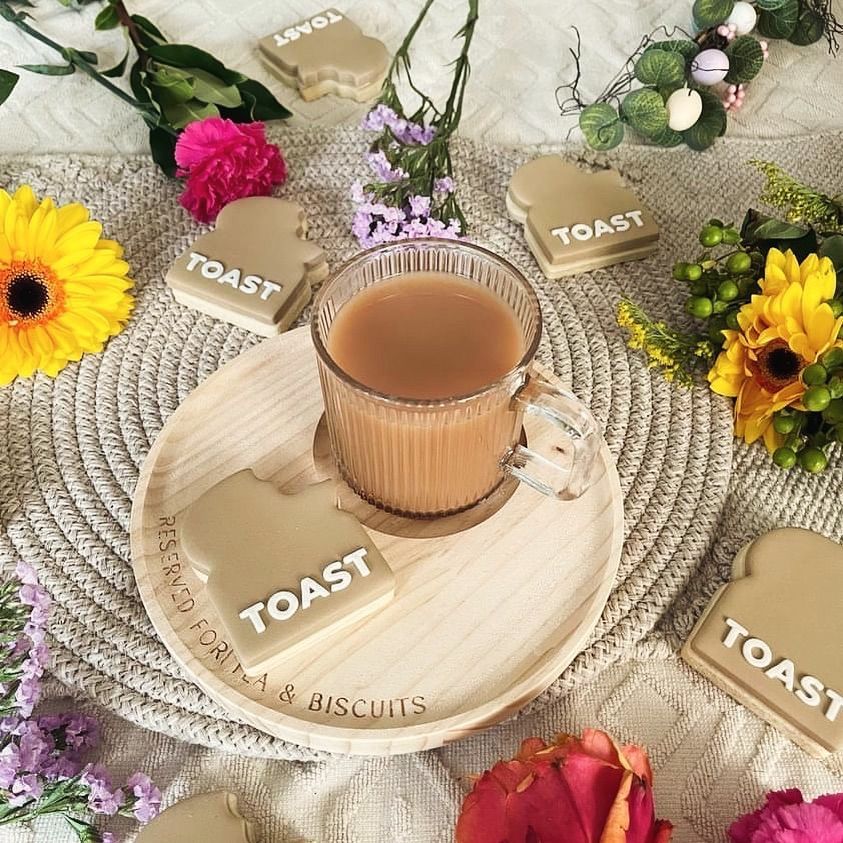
{"points": [[425, 458]]}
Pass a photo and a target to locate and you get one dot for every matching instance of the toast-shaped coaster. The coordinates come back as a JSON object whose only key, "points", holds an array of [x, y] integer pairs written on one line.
{"points": [[255, 269], [210, 817], [576, 221], [283, 571], [327, 54], [771, 638]]}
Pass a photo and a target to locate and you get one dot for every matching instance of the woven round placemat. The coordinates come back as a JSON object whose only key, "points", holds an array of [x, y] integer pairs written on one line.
{"points": [[72, 447]]}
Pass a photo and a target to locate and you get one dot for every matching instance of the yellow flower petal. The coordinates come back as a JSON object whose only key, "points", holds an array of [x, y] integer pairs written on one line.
{"points": [[84, 286]]}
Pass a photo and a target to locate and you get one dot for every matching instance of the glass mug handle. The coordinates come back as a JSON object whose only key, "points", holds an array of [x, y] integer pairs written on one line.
{"points": [[565, 468]]}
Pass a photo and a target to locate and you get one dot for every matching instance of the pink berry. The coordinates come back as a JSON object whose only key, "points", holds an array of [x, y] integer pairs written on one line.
{"points": [[732, 89], [731, 98], [723, 30], [764, 45]]}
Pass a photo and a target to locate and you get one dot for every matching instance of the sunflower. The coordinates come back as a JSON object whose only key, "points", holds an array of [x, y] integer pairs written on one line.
{"points": [[63, 288], [784, 329]]}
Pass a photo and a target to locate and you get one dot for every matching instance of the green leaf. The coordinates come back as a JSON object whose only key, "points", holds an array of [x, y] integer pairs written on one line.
{"points": [[832, 248], [139, 81], [107, 19], [119, 69], [169, 88], [8, 80], [644, 110], [746, 58], [147, 26], [781, 22], [91, 58], [163, 147], [809, 28], [683, 46], [49, 69], [711, 12], [148, 33], [181, 113], [262, 104], [764, 233], [666, 137], [710, 126], [660, 67], [210, 88], [601, 125], [185, 55], [769, 5]]}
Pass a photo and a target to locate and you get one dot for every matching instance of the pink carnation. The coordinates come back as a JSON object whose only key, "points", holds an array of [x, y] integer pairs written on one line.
{"points": [[787, 818], [223, 161]]}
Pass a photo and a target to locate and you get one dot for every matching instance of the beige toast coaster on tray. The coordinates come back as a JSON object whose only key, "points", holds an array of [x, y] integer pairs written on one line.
{"points": [[773, 637], [254, 269], [283, 571], [575, 221], [327, 54], [490, 605], [209, 818]]}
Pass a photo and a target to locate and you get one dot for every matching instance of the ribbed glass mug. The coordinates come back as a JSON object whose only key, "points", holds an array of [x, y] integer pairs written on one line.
{"points": [[425, 458]]}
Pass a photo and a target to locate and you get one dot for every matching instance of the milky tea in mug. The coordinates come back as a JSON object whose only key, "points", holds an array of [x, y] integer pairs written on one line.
{"points": [[424, 351]]}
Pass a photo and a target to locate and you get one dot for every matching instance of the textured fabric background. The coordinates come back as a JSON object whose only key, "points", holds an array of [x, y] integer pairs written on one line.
{"points": [[86, 435], [519, 57]]}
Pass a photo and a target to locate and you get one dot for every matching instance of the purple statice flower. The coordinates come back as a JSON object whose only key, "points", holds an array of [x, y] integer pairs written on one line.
{"points": [[81, 732], [108, 837], [103, 798], [36, 747], [405, 131], [26, 573], [10, 765], [25, 788], [444, 185], [383, 168], [27, 694], [147, 797], [379, 117], [419, 206]]}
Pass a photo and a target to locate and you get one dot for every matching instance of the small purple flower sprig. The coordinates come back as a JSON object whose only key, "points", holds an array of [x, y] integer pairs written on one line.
{"points": [[43, 759], [412, 192]]}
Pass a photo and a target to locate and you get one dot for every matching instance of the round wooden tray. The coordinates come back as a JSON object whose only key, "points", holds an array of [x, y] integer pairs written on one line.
{"points": [[490, 606]]}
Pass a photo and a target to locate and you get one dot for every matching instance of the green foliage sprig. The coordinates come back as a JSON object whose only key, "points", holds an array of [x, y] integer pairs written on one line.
{"points": [[664, 61], [171, 84]]}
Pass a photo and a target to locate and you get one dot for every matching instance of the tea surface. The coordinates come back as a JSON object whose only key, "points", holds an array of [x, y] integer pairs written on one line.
{"points": [[426, 336]]}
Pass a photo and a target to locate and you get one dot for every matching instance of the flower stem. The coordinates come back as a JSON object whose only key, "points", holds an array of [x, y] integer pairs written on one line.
{"points": [[132, 31], [77, 60]]}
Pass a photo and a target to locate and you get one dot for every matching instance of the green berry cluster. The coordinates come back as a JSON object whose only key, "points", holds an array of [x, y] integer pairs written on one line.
{"points": [[721, 279], [809, 432]]}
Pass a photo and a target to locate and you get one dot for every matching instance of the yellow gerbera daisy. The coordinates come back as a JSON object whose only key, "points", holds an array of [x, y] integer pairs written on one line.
{"points": [[63, 289], [782, 330]]}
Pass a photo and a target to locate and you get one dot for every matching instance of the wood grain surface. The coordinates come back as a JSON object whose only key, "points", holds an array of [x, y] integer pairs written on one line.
{"points": [[490, 607]]}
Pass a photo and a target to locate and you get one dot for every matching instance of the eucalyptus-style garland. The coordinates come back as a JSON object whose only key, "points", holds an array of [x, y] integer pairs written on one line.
{"points": [[690, 83]]}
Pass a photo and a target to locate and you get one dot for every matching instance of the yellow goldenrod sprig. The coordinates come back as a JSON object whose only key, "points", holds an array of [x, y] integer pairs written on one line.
{"points": [[677, 354], [801, 203]]}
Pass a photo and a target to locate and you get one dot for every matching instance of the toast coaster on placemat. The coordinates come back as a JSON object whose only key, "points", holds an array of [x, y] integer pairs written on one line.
{"points": [[327, 54], [283, 571], [771, 638], [209, 817], [576, 221], [254, 269]]}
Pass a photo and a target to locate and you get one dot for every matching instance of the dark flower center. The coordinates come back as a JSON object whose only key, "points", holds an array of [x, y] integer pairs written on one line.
{"points": [[777, 366], [27, 295]]}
